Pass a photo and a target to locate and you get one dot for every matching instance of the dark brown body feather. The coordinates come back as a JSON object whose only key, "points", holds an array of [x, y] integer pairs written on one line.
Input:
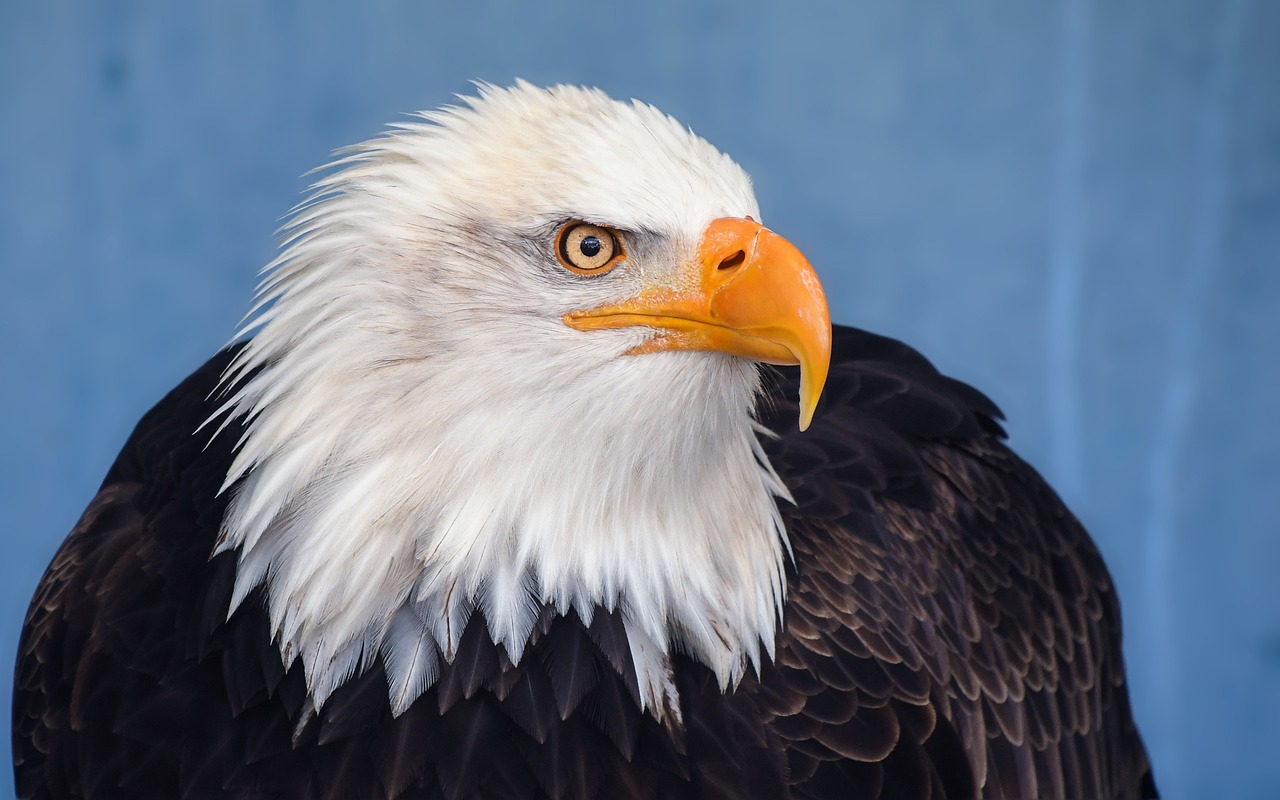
{"points": [[950, 632]]}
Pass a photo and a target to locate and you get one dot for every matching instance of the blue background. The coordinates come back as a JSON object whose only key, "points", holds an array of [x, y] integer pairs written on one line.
{"points": [[1073, 205]]}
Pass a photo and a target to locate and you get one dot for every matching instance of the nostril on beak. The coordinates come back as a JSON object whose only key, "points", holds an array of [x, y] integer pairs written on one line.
{"points": [[732, 262]]}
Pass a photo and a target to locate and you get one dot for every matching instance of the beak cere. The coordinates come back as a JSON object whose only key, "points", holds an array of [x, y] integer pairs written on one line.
{"points": [[749, 293]]}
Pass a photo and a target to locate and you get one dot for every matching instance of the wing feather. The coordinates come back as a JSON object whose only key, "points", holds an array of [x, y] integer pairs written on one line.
{"points": [[934, 569]]}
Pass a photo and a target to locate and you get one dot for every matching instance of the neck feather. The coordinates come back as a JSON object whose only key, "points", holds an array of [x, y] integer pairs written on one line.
{"points": [[381, 504]]}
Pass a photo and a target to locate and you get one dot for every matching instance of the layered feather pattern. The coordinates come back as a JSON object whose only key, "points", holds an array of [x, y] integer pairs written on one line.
{"points": [[950, 632]]}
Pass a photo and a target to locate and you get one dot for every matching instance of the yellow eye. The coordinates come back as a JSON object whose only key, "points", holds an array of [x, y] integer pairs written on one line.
{"points": [[588, 249]]}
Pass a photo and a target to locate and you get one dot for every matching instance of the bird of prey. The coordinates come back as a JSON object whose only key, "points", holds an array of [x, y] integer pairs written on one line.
{"points": [[539, 471]]}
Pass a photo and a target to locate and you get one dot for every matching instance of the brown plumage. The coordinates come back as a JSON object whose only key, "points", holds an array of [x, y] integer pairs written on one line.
{"points": [[950, 631]]}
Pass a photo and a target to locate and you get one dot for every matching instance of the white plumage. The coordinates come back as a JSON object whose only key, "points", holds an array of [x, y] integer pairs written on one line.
{"points": [[429, 438]]}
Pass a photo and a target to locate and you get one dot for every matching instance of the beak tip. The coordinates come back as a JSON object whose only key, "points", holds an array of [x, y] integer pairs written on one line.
{"points": [[813, 379], [807, 407]]}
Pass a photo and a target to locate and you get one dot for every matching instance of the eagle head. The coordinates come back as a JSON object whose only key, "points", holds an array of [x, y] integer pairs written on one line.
{"points": [[506, 360]]}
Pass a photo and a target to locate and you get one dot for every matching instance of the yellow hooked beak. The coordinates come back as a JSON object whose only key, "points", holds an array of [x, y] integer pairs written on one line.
{"points": [[750, 293]]}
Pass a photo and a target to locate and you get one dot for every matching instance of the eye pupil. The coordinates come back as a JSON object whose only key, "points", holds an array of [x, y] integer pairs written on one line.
{"points": [[588, 249]]}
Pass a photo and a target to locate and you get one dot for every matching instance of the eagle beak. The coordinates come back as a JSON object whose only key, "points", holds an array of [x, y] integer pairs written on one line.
{"points": [[750, 293]]}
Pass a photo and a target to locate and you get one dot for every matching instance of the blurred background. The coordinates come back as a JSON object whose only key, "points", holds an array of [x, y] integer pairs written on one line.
{"points": [[1073, 205]]}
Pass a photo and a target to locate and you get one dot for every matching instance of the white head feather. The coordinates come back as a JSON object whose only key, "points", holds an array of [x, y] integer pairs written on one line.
{"points": [[427, 437]]}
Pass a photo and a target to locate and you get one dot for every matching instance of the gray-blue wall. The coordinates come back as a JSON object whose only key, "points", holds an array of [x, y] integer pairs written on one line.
{"points": [[1074, 205]]}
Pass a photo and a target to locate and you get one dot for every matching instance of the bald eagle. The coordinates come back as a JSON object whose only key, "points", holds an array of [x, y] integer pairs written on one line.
{"points": [[499, 501]]}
